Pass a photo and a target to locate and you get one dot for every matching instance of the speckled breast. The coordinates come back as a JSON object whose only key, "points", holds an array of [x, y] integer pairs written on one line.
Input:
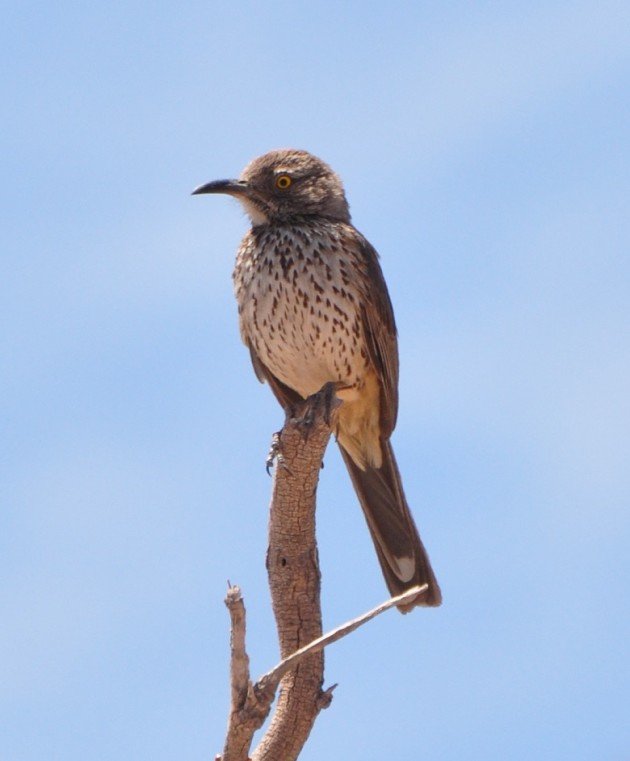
{"points": [[299, 305]]}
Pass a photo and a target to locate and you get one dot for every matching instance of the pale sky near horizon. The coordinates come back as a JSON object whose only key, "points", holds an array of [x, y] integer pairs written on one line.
{"points": [[485, 152]]}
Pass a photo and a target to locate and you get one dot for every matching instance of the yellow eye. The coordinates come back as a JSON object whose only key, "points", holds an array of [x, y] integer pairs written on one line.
{"points": [[283, 182]]}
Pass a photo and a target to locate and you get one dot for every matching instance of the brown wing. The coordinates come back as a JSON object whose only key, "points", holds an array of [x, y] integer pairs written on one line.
{"points": [[287, 397], [380, 331]]}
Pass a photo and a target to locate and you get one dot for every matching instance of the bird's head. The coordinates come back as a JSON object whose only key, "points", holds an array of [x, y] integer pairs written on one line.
{"points": [[284, 185]]}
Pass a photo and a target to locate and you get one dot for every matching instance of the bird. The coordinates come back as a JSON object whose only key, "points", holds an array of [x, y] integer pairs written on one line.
{"points": [[314, 309]]}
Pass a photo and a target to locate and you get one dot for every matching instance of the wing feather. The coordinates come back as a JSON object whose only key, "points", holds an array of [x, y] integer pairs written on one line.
{"points": [[380, 332]]}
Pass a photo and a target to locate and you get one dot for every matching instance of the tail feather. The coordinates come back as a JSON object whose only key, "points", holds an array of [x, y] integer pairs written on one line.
{"points": [[400, 551]]}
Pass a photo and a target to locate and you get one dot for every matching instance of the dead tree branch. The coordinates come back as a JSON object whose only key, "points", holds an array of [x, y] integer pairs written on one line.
{"points": [[249, 705], [294, 580]]}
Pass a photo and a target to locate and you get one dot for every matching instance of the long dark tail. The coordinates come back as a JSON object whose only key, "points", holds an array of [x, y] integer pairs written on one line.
{"points": [[400, 551]]}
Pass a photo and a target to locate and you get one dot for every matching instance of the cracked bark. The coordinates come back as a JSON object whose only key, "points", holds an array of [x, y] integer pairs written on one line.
{"points": [[294, 580]]}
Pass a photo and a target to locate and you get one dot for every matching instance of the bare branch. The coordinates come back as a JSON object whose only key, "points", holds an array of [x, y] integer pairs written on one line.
{"points": [[294, 577], [239, 662], [249, 707], [294, 581]]}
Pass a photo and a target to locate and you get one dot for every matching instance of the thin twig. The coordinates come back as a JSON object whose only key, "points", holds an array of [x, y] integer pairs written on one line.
{"points": [[269, 681]]}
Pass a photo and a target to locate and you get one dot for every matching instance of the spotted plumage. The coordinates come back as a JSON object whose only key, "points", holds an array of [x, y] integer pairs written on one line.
{"points": [[298, 308]]}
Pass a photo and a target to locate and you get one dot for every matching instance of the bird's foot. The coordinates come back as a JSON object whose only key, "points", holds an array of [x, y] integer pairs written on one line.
{"points": [[275, 455], [323, 403]]}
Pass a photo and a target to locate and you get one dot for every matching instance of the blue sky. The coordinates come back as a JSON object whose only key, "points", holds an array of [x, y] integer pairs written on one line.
{"points": [[485, 153]]}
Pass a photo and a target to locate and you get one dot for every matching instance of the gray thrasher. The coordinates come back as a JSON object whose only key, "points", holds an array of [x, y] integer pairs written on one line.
{"points": [[314, 309]]}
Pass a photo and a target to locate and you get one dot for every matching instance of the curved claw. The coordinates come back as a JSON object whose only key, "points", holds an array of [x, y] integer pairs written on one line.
{"points": [[274, 452]]}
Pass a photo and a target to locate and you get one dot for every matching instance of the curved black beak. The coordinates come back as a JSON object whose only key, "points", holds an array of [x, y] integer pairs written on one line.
{"points": [[230, 187]]}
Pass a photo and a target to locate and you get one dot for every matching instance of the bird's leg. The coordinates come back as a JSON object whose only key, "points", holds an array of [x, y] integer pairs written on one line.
{"points": [[324, 402]]}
